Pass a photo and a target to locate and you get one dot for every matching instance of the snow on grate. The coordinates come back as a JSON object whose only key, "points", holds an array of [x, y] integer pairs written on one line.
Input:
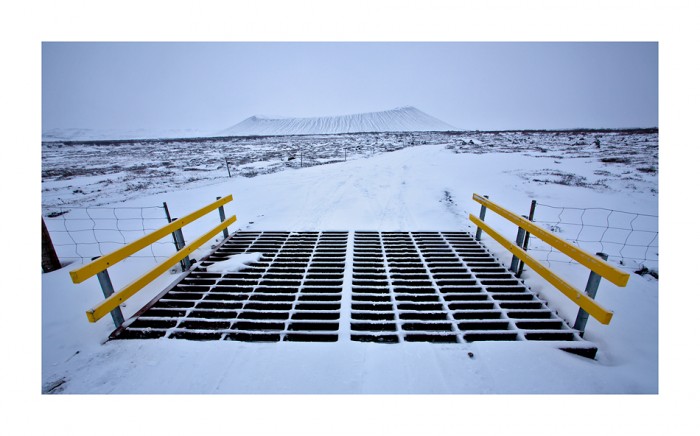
{"points": [[292, 293], [440, 287]]}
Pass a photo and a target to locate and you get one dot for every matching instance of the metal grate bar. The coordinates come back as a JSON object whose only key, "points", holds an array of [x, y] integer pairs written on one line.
{"points": [[440, 287]]}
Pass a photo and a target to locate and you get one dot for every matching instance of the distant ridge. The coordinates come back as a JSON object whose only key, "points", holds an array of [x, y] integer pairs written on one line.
{"points": [[79, 134], [402, 119]]}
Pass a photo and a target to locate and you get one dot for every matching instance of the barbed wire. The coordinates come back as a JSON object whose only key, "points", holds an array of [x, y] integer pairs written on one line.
{"points": [[623, 236], [83, 233]]}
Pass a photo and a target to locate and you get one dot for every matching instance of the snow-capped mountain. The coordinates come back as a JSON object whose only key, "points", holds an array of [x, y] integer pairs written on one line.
{"points": [[403, 119]]}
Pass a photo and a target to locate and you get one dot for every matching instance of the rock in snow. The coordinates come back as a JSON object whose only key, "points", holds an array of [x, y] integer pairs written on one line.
{"points": [[403, 119]]}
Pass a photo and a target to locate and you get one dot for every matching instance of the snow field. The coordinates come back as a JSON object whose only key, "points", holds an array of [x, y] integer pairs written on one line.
{"points": [[417, 188]]}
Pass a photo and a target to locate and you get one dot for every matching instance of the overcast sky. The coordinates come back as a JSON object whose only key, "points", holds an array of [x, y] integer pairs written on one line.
{"points": [[212, 86]]}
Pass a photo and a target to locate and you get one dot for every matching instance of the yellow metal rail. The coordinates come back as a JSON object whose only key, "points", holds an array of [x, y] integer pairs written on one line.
{"points": [[600, 267], [117, 298], [582, 300], [98, 265]]}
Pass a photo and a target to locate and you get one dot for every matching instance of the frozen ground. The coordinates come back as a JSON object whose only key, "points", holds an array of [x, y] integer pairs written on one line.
{"points": [[417, 187], [94, 173], [97, 172]]}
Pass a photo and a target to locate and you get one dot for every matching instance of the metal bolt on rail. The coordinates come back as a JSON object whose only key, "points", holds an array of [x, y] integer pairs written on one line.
{"points": [[591, 291]]}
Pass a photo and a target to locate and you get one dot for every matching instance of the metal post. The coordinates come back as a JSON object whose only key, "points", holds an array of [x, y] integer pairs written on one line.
{"points": [[526, 243], [222, 215], [107, 290], [519, 242], [591, 291], [175, 237], [482, 215], [49, 258], [185, 263], [227, 167], [167, 212], [178, 239]]}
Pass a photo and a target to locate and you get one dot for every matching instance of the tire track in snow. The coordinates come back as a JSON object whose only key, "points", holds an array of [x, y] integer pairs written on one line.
{"points": [[383, 195], [312, 204]]}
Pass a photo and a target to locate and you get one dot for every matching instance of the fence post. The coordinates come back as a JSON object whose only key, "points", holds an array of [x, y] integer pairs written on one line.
{"points": [[520, 237], [107, 290], [175, 241], [591, 291], [526, 243], [186, 263], [482, 215], [222, 215], [227, 167], [178, 240], [49, 258]]}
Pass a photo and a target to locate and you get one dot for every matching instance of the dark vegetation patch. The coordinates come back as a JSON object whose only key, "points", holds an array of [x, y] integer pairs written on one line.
{"points": [[619, 160], [56, 214], [648, 170], [54, 387], [567, 179], [643, 271]]}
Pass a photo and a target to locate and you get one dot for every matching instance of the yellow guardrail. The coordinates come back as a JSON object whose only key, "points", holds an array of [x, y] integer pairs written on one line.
{"points": [[586, 259], [101, 264], [584, 301], [86, 271], [593, 263]]}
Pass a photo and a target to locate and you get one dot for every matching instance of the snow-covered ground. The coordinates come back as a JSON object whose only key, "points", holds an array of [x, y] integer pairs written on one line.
{"points": [[93, 173], [417, 187]]}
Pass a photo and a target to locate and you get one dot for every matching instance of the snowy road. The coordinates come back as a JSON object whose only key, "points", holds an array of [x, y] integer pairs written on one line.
{"points": [[377, 195]]}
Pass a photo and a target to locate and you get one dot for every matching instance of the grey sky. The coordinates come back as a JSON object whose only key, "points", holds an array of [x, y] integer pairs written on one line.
{"points": [[211, 86]]}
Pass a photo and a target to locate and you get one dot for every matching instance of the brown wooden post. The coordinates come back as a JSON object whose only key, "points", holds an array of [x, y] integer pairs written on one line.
{"points": [[49, 259]]}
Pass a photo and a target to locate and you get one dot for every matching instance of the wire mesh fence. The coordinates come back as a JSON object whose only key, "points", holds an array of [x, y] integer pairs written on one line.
{"points": [[83, 233], [629, 239]]}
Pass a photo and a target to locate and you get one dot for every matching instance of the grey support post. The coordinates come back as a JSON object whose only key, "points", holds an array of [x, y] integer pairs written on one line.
{"points": [[482, 215], [526, 243], [107, 290], [591, 291], [180, 243], [222, 215], [519, 242], [178, 240]]}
